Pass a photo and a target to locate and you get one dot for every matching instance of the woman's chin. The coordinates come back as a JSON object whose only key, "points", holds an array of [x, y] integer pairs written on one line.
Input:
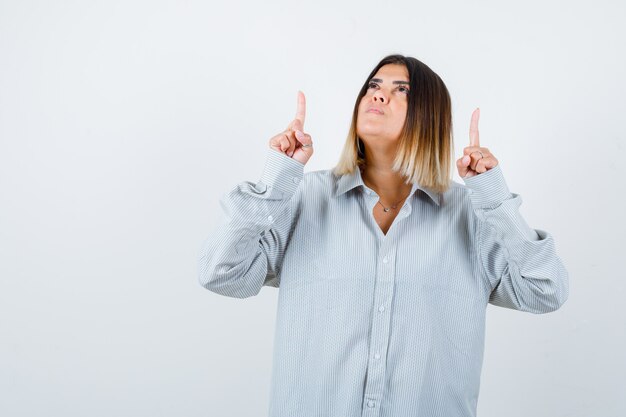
{"points": [[370, 130]]}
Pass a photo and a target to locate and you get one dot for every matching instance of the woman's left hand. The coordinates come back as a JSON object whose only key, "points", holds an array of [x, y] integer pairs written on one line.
{"points": [[475, 160]]}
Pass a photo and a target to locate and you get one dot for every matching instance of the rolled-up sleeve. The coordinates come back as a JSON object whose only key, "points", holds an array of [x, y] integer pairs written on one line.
{"points": [[244, 251], [519, 262]]}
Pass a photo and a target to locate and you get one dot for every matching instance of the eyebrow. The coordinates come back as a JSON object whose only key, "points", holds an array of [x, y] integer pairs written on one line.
{"points": [[378, 80]]}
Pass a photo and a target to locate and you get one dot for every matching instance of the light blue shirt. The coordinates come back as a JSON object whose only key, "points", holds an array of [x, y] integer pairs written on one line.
{"points": [[370, 324]]}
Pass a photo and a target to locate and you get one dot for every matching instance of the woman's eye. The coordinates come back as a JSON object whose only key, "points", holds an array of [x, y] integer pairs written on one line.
{"points": [[401, 88]]}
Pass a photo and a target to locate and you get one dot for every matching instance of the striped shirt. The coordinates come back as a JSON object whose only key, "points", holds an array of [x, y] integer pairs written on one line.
{"points": [[372, 324]]}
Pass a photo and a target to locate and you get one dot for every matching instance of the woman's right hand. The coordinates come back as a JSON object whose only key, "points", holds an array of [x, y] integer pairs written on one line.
{"points": [[291, 140]]}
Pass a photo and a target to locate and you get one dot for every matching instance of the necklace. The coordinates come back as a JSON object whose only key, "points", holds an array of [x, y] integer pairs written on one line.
{"points": [[394, 206]]}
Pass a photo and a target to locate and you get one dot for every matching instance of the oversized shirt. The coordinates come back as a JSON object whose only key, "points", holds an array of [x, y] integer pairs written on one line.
{"points": [[371, 324]]}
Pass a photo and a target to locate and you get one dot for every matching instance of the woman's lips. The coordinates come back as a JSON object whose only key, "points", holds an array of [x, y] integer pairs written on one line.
{"points": [[374, 111]]}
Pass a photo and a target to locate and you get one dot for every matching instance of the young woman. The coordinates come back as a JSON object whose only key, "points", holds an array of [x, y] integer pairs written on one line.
{"points": [[385, 265]]}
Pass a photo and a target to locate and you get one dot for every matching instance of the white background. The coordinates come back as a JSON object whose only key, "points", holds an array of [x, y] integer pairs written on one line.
{"points": [[123, 122]]}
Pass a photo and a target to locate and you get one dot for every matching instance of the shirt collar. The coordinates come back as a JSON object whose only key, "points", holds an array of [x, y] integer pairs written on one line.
{"points": [[349, 181]]}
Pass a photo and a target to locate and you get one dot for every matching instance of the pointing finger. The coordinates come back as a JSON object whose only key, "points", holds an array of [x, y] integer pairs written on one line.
{"points": [[301, 108], [473, 132]]}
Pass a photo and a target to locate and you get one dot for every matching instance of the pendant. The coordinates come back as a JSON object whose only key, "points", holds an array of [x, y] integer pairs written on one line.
{"points": [[386, 210]]}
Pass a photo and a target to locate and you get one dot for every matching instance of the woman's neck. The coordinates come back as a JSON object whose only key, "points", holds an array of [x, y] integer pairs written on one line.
{"points": [[389, 185]]}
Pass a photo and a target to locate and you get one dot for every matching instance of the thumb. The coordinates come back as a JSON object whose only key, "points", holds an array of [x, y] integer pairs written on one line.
{"points": [[462, 165], [296, 124]]}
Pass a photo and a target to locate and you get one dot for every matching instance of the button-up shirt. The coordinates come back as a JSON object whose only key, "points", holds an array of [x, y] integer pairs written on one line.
{"points": [[372, 324]]}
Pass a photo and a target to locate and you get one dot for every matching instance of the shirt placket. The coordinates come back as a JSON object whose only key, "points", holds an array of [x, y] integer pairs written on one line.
{"points": [[381, 322], [381, 317]]}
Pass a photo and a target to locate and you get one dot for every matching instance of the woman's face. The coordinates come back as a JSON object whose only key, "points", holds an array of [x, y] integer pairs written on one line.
{"points": [[382, 110]]}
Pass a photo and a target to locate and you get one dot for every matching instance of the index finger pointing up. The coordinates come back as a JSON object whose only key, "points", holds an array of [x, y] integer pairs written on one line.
{"points": [[473, 132], [301, 109]]}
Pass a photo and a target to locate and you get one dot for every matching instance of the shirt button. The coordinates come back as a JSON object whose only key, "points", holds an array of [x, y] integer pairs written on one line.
{"points": [[371, 404], [295, 179], [377, 356], [385, 260], [270, 218], [381, 308]]}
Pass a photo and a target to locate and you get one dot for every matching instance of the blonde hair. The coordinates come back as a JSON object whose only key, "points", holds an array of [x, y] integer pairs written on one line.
{"points": [[425, 146]]}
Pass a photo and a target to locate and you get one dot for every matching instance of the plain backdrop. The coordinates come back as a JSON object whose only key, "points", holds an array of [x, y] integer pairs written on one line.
{"points": [[123, 122]]}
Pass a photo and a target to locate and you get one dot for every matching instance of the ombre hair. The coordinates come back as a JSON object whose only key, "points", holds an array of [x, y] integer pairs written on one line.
{"points": [[425, 145]]}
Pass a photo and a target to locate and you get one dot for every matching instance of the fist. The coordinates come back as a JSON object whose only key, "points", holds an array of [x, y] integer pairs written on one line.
{"points": [[290, 141]]}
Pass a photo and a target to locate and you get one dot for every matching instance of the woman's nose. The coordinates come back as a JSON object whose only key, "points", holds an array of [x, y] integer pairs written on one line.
{"points": [[379, 96]]}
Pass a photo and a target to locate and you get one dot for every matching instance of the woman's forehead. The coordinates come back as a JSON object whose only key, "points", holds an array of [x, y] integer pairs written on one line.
{"points": [[392, 72]]}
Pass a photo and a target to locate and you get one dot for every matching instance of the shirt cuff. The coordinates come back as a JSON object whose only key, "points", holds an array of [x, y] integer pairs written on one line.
{"points": [[489, 189], [282, 172]]}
